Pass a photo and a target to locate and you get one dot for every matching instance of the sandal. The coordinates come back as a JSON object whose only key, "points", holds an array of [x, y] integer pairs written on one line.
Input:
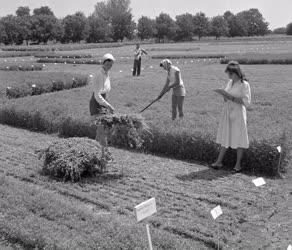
{"points": [[235, 171], [217, 167]]}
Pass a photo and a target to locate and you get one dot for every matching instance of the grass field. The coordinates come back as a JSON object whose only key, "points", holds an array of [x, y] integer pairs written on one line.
{"points": [[185, 192]]}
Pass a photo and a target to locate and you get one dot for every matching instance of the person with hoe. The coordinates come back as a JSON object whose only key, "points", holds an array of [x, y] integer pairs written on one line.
{"points": [[174, 81], [99, 104], [138, 60], [232, 131]]}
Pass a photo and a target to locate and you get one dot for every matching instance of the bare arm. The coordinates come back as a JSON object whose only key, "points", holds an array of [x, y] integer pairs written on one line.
{"points": [[177, 80]]}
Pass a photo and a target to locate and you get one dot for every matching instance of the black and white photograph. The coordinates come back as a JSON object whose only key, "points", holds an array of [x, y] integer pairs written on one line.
{"points": [[145, 125]]}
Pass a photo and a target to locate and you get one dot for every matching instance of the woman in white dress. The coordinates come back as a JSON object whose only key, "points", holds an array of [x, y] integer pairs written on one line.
{"points": [[174, 81], [232, 131]]}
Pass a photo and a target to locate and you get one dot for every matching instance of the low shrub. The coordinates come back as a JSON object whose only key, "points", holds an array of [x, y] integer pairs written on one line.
{"points": [[23, 90], [21, 67], [64, 56], [6, 54], [191, 56], [71, 159], [255, 61], [62, 47], [131, 132], [70, 60]]}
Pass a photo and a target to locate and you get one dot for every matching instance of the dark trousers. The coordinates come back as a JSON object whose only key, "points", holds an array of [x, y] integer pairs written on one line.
{"points": [[95, 108], [137, 67]]}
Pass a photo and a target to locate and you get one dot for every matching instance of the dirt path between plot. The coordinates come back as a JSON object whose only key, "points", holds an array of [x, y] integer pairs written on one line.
{"points": [[253, 218]]}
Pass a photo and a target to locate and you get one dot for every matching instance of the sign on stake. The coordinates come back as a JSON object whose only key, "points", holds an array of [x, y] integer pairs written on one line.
{"points": [[216, 212], [289, 247], [259, 182], [144, 210]]}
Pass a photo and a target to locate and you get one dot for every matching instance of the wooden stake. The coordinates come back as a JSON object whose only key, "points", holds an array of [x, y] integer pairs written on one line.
{"points": [[149, 237]]}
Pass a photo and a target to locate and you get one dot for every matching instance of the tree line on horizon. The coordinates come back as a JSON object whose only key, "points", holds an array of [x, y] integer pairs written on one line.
{"points": [[112, 21]]}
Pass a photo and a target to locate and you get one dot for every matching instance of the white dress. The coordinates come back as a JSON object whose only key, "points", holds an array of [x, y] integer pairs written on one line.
{"points": [[232, 131]]}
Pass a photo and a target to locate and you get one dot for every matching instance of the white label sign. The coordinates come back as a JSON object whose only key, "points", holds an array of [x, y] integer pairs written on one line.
{"points": [[216, 212], [145, 209], [279, 149], [259, 182], [289, 247]]}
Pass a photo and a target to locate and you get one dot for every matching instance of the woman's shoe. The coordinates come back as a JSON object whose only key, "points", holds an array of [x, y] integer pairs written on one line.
{"points": [[235, 171], [215, 166]]}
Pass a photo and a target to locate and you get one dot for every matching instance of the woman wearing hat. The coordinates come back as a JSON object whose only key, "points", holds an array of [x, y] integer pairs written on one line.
{"points": [[99, 104], [174, 81], [101, 87], [232, 131]]}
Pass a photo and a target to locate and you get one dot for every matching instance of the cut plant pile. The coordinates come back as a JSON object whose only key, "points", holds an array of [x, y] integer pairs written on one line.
{"points": [[71, 159]]}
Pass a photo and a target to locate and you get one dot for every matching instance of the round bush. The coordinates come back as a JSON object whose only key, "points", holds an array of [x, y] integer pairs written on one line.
{"points": [[72, 158]]}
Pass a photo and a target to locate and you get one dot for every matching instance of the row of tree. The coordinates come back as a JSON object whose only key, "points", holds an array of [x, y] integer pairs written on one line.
{"points": [[112, 20], [284, 30]]}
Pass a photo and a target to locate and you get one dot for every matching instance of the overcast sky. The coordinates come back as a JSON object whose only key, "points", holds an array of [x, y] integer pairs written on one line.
{"points": [[277, 12]]}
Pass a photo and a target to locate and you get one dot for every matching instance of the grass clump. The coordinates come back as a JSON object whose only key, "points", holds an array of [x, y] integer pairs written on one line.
{"points": [[71, 159]]}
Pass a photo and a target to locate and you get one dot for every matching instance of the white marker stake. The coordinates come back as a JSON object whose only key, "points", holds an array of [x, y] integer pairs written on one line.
{"points": [[216, 212], [289, 247], [279, 148], [258, 183], [144, 210], [149, 237]]}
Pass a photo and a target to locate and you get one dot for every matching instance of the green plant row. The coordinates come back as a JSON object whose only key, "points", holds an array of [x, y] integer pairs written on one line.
{"points": [[262, 156], [257, 61], [38, 89], [21, 67], [190, 56], [6, 54], [70, 60], [62, 56]]}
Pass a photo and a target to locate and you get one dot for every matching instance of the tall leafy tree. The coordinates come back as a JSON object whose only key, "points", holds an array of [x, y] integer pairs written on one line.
{"points": [[118, 16], [75, 27], [201, 25], [185, 29], [255, 23], [146, 28], [44, 25], [11, 30], [24, 20], [219, 27], [289, 29], [165, 26], [98, 30], [237, 24]]}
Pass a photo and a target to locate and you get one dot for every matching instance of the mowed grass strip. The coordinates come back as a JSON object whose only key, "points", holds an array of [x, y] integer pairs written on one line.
{"points": [[37, 218]]}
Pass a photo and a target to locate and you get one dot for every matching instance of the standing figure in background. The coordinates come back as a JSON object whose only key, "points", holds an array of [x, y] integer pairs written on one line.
{"points": [[138, 59], [232, 131], [174, 81]]}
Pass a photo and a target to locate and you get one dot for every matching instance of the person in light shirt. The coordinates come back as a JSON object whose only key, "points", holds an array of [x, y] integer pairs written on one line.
{"points": [[101, 87], [99, 104], [138, 60], [174, 81], [232, 131]]}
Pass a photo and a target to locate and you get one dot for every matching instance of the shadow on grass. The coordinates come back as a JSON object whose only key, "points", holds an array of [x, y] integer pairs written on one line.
{"points": [[206, 174]]}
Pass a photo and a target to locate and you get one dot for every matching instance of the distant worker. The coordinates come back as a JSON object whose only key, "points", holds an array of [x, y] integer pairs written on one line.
{"points": [[232, 131], [137, 59], [174, 81]]}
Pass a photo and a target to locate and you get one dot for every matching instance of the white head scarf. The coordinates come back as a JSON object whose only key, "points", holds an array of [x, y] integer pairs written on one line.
{"points": [[166, 63]]}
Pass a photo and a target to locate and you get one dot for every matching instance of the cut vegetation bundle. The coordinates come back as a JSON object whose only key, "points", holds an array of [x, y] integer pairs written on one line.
{"points": [[71, 159], [23, 90]]}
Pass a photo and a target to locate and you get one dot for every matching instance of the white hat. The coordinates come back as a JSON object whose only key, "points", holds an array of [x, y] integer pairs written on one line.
{"points": [[108, 57]]}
